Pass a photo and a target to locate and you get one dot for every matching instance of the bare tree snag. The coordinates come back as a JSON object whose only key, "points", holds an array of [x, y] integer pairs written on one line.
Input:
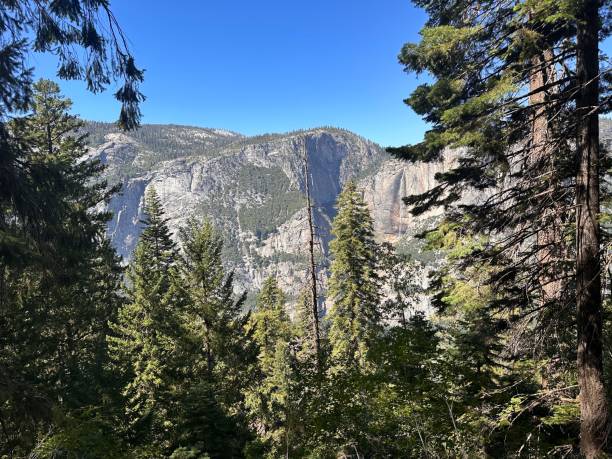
{"points": [[313, 269]]}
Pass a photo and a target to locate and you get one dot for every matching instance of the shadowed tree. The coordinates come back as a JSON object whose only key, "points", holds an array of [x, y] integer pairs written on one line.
{"points": [[511, 85], [58, 296]]}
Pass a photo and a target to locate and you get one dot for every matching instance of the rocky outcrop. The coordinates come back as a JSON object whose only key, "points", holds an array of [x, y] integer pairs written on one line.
{"points": [[253, 190], [385, 188]]}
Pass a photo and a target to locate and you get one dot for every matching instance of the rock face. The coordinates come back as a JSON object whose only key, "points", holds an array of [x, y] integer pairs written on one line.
{"points": [[252, 188], [385, 188]]}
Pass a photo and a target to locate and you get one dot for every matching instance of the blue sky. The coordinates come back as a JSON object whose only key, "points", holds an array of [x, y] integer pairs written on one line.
{"points": [[267, 66]]}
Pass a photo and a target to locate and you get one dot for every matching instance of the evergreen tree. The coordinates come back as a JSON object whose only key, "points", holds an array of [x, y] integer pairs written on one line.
{"points": [[215, 316], [355, 328], [147, 331], [304, 333], [85, 37], [309, 400], [511, 83], [27, 190], [219, 356], [404, 410], [58, 299], [594, 410], [354, 286], [156, 251], [270, 401], [501, 392], [408, 415], [269, 324]]}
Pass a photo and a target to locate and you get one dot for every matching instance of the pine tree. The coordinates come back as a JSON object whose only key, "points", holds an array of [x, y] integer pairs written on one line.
{"points": [[269, 323], [156, 251], [408, 414], [58, 273], [219, 356], [354, 286], [58, 28], [511, 83], [58, 299], [215, 318], [97, 54], [147, 329], [594, 410], [305, 332], [355, 329], [270, 401]]}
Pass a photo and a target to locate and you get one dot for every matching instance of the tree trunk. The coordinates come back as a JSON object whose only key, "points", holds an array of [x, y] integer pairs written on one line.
{"points": [[313, 272], [549, 240], [593, 403]]}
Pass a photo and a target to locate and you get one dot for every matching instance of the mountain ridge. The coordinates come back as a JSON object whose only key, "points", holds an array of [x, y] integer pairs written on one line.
{"points": [[252, 189]]}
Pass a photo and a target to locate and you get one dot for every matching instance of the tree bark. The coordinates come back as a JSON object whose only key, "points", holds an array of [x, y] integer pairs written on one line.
{"points": [[549, 240], [593, 403]]}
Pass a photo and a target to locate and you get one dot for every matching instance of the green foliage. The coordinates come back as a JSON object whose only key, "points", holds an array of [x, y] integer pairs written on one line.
{"points": [[499, 398], [282, 200], [270, 402], [146, 342], [179, 344], [218, 355], [88, 42], [503, 109], [191, 375], [214, 316], [82, 434], [354, 286], [61, 289], [269, 323], [379, 355], [173, 367]]}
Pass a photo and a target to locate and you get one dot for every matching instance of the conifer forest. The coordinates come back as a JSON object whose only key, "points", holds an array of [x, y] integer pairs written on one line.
{"points": [[485, 333]]}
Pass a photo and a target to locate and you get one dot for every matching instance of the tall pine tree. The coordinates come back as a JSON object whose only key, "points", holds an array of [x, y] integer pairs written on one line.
{"points": [[270, 401], [511, 85], [354, 286], [219, 356], [144, 343], [355, 325], [58, 296]]}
